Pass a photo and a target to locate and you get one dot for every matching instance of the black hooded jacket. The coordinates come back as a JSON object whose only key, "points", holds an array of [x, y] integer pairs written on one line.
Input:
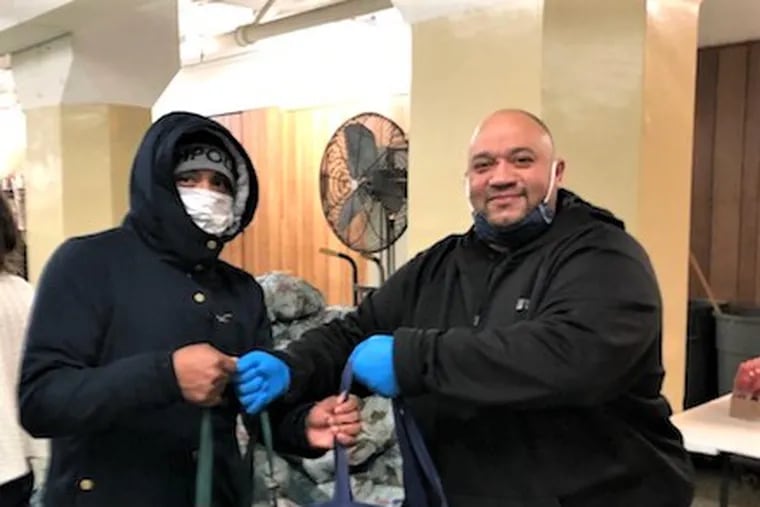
{"points": [[97, 375], [535, 374]]}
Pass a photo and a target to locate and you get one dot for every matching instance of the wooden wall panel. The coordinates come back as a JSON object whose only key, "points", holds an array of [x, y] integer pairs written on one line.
{"points": [[702, 179], [752, 167], [727, 163], [289, 228], [725, 229], [263, 142], [233, 252], [748, 234]]}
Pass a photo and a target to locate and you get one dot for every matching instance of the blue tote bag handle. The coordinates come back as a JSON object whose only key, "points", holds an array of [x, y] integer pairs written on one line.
{"points": [[422, 485]]}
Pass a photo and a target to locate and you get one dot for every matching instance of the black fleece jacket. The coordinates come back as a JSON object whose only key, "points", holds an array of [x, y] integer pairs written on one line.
{"points": [[535, 373]]}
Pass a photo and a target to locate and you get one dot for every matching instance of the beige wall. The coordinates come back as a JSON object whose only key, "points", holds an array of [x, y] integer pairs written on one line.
{"points": [[593, 70], [664, 197], [78, 163], [463, 68]]}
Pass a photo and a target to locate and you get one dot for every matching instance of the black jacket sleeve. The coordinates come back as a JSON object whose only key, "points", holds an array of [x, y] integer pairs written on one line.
{"points": [[600, 317], [288, 420], [63, 390], [318, 358]]}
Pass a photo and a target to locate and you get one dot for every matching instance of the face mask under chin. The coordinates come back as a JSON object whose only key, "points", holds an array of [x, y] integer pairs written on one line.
{"points": [[211, 211], [517, 234], [514, 235]]}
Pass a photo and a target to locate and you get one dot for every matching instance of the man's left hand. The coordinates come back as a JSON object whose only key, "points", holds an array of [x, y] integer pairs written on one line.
{"points": [[331, 419], [372, 362]]}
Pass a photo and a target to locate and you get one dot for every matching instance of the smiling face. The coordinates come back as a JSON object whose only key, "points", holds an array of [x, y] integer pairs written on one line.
{"points": [[511, 159]]}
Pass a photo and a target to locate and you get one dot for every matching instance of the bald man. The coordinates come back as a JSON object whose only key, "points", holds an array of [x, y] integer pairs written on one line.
{"points": [[529, 347]]}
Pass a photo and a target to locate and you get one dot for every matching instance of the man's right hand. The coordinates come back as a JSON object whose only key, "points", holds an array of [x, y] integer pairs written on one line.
{"points": [[261, 378], [202, 373]]}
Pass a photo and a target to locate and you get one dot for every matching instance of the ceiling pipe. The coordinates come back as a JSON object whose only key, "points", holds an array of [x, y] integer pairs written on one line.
{"points": [[235, 43], [248, 34]]}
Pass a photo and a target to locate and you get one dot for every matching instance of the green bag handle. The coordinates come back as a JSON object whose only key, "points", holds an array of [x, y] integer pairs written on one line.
{"points": [[205, 469], [204, 476], [271, 482]]}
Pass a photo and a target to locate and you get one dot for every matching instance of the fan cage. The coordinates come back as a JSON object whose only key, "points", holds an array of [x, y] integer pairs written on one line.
{"points": [[377, 229]]}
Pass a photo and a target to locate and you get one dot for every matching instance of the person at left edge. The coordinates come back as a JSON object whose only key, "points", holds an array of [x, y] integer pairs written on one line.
{"points": [[136, 328]]}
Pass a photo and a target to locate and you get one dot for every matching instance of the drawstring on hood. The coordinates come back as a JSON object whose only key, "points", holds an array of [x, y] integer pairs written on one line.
{"points": [[157, 213]]}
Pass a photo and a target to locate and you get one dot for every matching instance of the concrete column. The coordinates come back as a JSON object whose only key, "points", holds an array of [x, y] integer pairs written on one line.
{"points": [[87, 98]]}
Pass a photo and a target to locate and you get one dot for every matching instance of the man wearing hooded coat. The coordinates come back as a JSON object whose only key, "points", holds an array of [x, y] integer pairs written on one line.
{"points": [[136, 329]]}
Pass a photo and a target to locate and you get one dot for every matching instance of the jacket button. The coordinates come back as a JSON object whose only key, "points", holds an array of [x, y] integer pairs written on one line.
{"points": [[199, 297], [86, 484], [211, 244], [198, 268]]}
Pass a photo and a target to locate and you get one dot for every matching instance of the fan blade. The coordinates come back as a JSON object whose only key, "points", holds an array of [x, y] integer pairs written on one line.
{"points": [[392, 203], [361, 149], [389, 187], [352, 206]]}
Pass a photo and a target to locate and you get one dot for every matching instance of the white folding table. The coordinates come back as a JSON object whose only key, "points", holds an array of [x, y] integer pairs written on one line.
{"points": [[709, 429]]}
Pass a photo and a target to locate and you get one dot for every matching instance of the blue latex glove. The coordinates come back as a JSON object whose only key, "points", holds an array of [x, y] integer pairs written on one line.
{"points": [[372, 362], [261, 378]]}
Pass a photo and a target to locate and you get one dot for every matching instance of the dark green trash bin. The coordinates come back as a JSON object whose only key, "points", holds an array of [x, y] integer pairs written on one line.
{"points": [[701, 355], [737, 338]]}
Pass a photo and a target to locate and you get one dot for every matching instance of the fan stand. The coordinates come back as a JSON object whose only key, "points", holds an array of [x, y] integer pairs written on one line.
{"points": [[354, 272], [390, 252], [379, 263], [358, 292]]}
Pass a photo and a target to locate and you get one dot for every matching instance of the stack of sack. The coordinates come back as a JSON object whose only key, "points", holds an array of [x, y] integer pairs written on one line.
{"points": [[294, 307]]}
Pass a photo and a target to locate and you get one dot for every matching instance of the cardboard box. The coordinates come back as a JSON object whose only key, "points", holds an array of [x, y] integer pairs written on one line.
{"points": [[745, 407]]}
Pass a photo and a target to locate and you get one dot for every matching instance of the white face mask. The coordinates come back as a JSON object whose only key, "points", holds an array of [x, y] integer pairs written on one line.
{"points": [[211, 211]]}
